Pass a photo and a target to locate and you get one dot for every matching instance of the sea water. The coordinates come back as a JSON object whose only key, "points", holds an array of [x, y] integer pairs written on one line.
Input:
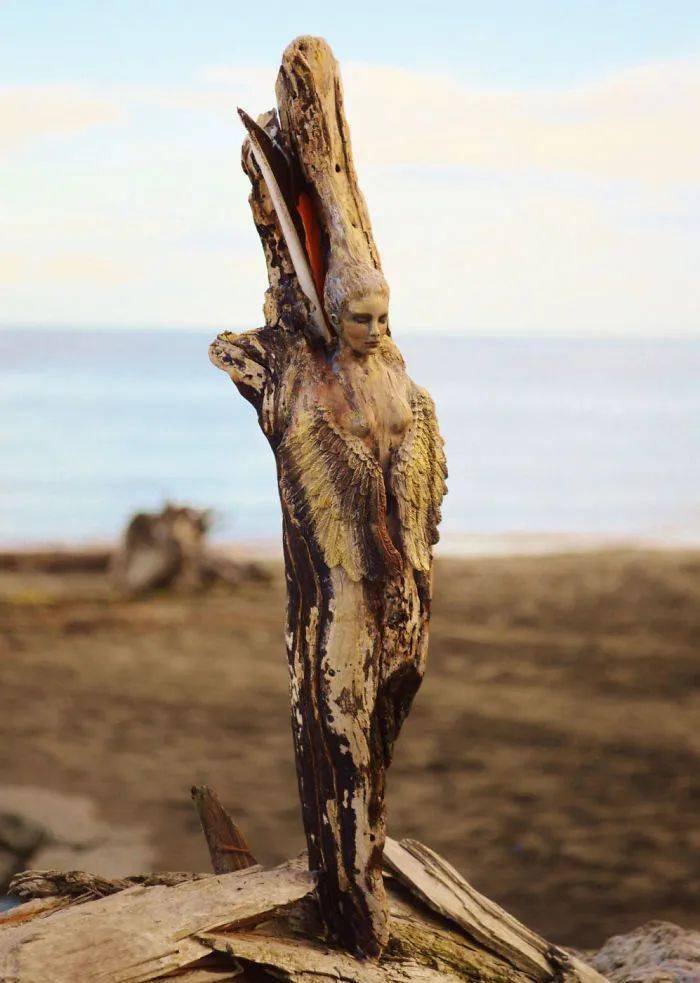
{"points": [[594, 437]]}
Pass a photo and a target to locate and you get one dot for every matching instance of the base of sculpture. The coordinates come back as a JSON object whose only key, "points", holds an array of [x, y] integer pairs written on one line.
{"points": [[253, 924]]}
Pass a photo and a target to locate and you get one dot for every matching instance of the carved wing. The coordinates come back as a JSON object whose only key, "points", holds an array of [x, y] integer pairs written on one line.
{"points": [[335, 488], [418, 484]]}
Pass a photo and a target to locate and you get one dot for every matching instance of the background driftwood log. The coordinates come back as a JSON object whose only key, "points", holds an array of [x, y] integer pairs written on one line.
{"points": [[361, 476]]}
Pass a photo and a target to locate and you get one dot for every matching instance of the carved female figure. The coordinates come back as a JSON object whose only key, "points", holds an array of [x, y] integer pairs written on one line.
{"points": [[361, 476]]}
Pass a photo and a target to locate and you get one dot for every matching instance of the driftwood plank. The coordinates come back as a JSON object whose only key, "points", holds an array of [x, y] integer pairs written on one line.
{"points": [[444, 890], [301, 961], [78, 884], [209, 974], [422, 947], [31, 909], [142, 933], [419, 935]]}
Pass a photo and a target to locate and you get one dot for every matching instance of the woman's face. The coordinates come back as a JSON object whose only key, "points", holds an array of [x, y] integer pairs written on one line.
{"points": [[363, 323]]}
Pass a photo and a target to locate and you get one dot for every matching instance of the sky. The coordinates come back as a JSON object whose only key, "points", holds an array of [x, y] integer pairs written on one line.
{"points": [[530, 167]]}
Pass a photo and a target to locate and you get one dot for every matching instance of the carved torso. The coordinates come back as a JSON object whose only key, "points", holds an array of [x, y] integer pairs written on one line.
{"points": [[370, 399], [360, 455]]}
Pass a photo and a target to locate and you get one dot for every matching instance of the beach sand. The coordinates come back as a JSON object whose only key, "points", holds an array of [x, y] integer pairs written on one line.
{"points": [[552, 755]]}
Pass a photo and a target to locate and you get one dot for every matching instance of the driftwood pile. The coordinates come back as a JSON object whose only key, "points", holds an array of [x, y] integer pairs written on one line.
{"points": [[250, 924]]}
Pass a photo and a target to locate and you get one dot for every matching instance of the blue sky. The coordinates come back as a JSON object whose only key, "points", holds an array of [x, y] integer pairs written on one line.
{"points": [[560, 139], [521, 42]]}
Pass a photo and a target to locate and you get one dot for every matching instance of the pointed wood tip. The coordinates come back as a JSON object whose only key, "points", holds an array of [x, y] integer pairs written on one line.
{"points": [[228, 847], [306, 44]]}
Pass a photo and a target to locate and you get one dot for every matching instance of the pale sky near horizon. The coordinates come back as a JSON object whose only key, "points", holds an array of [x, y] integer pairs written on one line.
{"points": [[530, 167]]}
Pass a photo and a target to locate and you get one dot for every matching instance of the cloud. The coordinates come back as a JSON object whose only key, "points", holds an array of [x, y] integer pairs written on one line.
{"points": [[27, 112], [637, 125], [569, 211]]}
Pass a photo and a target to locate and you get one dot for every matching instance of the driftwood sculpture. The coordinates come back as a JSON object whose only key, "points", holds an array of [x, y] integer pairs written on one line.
{"points": [[361, 477]]}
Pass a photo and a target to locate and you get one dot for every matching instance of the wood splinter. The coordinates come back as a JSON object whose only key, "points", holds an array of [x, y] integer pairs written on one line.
{"points": [[228, 847]]}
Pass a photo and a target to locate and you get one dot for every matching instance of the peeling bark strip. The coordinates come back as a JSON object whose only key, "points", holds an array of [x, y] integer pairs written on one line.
{"points": [[361, 477]]}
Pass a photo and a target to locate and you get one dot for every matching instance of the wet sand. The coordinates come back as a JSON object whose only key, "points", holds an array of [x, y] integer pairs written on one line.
{"points": [[552, 755]]}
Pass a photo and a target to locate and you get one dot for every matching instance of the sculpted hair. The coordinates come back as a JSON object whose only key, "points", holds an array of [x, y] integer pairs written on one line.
{"points": [[356, 280]]}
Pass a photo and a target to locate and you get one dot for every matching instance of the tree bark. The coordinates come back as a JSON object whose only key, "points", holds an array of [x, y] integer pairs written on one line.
{"points": [[357, 527]]}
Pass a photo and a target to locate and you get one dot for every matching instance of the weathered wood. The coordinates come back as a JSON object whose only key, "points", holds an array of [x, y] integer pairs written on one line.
{"points": [[80, 884], [422, 947], [312, 113], [361, 476], [300, 961], [444, 890], [417, 935], [142, 933], [31, 909], [211, 974], [228, 847], [254, 921]]}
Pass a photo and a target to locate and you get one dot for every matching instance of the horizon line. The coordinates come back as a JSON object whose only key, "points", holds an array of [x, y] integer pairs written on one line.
{"points": [[412, 331]]}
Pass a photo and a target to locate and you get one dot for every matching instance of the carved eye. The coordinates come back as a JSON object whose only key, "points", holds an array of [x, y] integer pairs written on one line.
{"points": [[361, 318], [383, 318]]}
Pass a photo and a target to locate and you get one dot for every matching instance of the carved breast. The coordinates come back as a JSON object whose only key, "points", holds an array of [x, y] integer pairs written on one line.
{"points": [[372, 404], [357, 424], [395, 421], [399, 417]]}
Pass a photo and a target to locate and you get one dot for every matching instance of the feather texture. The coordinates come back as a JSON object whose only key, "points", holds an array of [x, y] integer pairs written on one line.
{"points": [[418, 475], [335, 487], [268, 157]]}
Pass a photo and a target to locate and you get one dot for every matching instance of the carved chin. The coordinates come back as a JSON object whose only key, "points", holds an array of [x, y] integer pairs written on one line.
{"points": [[366, 349]]}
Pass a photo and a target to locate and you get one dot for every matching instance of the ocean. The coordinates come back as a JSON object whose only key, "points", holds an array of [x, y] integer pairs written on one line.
{"points": [[545, 437]]}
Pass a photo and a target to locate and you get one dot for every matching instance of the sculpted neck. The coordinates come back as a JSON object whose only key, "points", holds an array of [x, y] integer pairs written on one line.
{"points": [[346, 357]]}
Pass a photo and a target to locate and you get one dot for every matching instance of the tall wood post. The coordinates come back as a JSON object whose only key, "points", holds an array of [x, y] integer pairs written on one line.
{"points": [[361, 475]]}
